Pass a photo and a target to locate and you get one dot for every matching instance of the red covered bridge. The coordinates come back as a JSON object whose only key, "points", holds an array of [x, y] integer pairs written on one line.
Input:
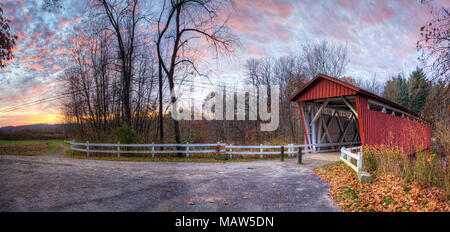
{"points": [[336, 114]]}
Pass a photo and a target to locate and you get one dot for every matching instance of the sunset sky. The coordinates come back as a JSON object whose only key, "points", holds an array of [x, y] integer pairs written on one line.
{"points": [[381, 37]]}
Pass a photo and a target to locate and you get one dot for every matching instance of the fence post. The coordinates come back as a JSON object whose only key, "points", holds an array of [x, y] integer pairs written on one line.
{"points": [[292, 150], [118, 148], [187, 150], [71, 147], [153, 150], [87, 147], [359, 163], [299, 158], [342, 152], [231, 150], [261, 150], [282, 153]]}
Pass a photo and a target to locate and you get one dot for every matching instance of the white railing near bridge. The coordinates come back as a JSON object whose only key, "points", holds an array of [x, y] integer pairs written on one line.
{"points": [[189, 149], [347, 155]]}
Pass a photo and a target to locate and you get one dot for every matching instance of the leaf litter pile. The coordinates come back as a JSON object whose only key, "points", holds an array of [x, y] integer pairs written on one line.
{"points": [[386, 193]]}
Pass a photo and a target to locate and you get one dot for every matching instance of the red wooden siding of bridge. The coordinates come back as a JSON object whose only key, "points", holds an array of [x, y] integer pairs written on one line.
{"points": [[325, 89], [378, 128]]}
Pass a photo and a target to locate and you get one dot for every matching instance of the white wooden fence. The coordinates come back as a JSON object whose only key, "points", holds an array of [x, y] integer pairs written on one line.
{"points": [[189, 149], [347, 155]]}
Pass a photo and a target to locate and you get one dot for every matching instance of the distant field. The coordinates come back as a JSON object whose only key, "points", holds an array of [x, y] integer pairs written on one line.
{"points": [[27, 147]]}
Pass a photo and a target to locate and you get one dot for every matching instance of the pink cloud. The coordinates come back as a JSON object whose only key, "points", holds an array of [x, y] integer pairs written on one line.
{"points": [[33, 59], [280, 8], [37, 67], [64, 22]]}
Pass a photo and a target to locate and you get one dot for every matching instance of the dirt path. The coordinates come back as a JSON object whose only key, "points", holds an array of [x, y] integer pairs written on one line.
{"points": [[317, 159], [58, 152], [56, 183]]}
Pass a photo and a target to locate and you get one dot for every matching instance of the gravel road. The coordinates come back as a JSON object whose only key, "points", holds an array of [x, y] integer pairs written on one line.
{"points": [[56, 183]]}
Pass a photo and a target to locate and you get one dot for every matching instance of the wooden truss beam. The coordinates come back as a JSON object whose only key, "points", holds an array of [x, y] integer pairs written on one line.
{"points": [[319, 111], [350, 106]]}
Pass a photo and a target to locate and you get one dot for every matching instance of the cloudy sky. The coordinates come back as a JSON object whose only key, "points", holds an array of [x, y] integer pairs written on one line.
{"points": [[381, 37]]}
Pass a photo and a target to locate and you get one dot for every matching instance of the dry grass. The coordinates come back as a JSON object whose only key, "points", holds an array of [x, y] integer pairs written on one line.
{"points": [[425, 168], [26, 147]]}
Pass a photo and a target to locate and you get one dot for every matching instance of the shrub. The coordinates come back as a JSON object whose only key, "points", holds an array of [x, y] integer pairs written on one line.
{"points": [[424, 167], [369, 161], [127, 135]]}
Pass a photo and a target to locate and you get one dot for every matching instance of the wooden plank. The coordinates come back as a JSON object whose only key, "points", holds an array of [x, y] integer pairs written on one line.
{"points": [[349, 164], [354, 156]]}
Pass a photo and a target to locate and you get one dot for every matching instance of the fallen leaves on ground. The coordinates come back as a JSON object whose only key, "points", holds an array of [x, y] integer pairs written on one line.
{"points": [[226, 203], [168, 190], [190, 203], [211, 201], [386, 193], [84, 186], [245, 197]]}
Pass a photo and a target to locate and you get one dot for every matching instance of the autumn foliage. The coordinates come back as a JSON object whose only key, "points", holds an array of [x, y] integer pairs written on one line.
{"points": [[7, 40], [387, 193]]}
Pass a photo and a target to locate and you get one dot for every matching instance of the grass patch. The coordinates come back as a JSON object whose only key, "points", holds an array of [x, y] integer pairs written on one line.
{"points": [[27, 147], [386, 193], [161, 159]]}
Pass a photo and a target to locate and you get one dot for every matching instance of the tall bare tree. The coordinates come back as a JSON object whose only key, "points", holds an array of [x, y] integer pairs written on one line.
{"points": [[180, 24], [124, 18]]}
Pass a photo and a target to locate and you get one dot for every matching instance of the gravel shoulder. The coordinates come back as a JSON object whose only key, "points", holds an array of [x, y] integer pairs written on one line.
{"points": [[53, 182]]}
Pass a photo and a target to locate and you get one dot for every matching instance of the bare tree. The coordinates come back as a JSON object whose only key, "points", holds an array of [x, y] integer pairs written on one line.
{"points": [[287, 72], [95, 76], [324, 58], [124, 18], [435, 42], [373, 85], [181, 22]]}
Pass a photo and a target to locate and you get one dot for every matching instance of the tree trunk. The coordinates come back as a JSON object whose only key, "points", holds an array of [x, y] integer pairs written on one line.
{"points": [[160, 116]]}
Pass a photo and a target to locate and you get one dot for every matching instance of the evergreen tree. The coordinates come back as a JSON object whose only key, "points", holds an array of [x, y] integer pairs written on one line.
{"points": [[418, 90]]}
